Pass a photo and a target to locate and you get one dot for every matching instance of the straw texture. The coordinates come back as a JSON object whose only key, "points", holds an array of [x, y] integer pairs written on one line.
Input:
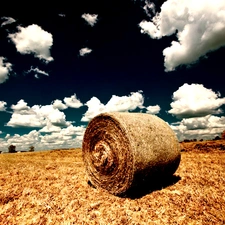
{"points": [[122, 149]]}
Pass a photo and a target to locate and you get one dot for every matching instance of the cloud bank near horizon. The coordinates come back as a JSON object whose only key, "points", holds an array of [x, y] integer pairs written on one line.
{"points": [[193, 104], [50, 124]]}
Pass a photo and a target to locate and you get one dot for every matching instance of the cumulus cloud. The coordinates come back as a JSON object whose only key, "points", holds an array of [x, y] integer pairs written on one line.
{"points": [[25, 120], [73, 131], [33, 39], [59, 141], [199, 27], [94, 108], [49, 128], [69, 137], [195, 100], [153, 109], [5, 68], [115, 104], [207, 127], [37, 72], [85, 51], [23, 141], [58, 104], [91, 19], [36, 116], [20, 106], [2, 106], [54, 116], [7, 20], [73, 102]]}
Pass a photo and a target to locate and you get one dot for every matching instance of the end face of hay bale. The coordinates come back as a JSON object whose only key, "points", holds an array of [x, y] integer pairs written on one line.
{"points": [[121, 149], [107, 153]]}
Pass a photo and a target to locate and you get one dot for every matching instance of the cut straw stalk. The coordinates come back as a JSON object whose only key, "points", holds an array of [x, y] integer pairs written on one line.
{"points": [[122, 149]]}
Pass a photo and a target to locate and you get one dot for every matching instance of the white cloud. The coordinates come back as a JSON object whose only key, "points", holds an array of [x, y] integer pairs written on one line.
{"points": [[23, 140], [73, 131], [2, 106], [57, 104], [62, 15], [90, 18], [73, 102], [195, 101], [115, 104], [153, 109], [49, 128], [33, 39], [54, 116], [95, 107], [149, 6], [36, 116], [69, 137], [207, 127], [125, 103], [5, 68], [37, 71], [200, 28], [85, 51], [7, 20], [25, 120], [20, 106]]}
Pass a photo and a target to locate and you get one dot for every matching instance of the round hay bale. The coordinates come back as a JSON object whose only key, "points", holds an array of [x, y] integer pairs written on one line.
{"points": [[122, 149]]}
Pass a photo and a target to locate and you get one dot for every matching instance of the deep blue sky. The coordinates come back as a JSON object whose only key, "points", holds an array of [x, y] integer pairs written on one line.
{"points": [[122, 61]]}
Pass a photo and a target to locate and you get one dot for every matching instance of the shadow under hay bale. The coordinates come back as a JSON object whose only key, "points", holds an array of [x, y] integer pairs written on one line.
{"points": [[121, 150], [148, 186]]}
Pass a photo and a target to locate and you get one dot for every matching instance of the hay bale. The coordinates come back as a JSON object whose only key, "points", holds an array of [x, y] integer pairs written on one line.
{"points": [[122, 149]]}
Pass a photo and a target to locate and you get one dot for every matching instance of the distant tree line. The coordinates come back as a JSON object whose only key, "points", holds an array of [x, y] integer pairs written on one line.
{"points": [[12, 149]]}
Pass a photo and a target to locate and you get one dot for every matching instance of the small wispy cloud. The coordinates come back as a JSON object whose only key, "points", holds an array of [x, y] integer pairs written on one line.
{"points": [[37, 71], [149, 8], [5, 68], [85, 51], [2, 106], [62, 15], [91, 19], [7, 20]]}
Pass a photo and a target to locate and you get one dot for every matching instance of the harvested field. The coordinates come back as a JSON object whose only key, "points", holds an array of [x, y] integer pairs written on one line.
{"points": [[51, 187]]}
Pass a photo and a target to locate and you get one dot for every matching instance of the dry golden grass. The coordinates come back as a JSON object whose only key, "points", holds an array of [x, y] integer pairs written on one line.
{"points": [[51, 188]]}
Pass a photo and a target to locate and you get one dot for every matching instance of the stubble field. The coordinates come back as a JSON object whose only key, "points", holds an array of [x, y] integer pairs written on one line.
{"points": [[51, 187]]}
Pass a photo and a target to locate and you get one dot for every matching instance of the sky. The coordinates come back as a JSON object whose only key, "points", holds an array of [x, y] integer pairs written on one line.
{"points": [[63, 64]]}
